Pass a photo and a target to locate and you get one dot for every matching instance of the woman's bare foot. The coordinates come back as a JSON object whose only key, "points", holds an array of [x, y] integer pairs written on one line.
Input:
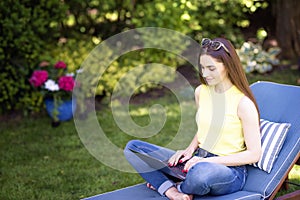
{"points": [[173, 194], [150, 186]]}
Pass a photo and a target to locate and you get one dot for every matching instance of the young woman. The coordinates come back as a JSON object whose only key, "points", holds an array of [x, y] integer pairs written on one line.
{"points": [[228, 135]]}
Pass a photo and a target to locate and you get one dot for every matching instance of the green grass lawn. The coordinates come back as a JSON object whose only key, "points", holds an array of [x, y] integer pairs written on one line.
{"points": [[41, 162]]}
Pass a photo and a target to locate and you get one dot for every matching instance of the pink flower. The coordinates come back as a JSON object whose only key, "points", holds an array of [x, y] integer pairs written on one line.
{"points": [[38, 78], [60, 65], [66, 83]]}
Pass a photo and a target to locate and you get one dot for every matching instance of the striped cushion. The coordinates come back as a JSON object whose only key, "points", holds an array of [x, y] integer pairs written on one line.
{"points": [[272, 138]]}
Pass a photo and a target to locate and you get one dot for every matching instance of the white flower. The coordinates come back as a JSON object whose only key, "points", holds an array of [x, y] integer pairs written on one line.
{"points": [[251, 63], [79, 71], [70, 74], [246, 45], [51, 85]]}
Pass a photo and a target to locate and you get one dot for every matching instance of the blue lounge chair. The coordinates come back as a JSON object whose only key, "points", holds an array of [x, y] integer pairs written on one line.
{"points": [[278, 103]]}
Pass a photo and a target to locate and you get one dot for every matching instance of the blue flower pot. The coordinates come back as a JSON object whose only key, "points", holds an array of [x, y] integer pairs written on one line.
{"points": [[65, 109]]}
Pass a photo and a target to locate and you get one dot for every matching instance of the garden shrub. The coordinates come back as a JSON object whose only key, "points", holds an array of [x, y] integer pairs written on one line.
{"points": [[32, 31], [26, 29], [255, 59]]}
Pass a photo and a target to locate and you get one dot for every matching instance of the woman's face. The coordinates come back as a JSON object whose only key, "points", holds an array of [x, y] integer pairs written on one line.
{"points": [[213, 71]]}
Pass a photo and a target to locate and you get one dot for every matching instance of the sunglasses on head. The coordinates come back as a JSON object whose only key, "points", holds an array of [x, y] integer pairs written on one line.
{"points": [[214, 45]]}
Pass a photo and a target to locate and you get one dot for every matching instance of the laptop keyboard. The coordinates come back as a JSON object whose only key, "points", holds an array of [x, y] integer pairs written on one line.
{"points": [[178, 169]]}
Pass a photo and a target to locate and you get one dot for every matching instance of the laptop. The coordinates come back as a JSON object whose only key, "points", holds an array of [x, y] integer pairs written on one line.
{"points": [[175, 171]]}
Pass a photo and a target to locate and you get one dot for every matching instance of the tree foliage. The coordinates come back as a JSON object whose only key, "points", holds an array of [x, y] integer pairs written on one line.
{"points": [[32, 31]]}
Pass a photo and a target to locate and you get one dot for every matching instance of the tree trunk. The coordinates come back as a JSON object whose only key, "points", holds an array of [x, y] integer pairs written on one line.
{"points": [[287, 14]]}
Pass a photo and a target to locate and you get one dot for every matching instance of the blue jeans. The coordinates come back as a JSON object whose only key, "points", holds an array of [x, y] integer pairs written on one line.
{"points": [[203, 178]]}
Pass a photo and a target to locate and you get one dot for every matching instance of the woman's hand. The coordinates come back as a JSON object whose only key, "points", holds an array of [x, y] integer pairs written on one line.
{"points": [[180, 156], [194, 160]]}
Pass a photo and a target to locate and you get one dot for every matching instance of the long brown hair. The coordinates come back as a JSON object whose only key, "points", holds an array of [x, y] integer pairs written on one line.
{"points": [[233, 66]]}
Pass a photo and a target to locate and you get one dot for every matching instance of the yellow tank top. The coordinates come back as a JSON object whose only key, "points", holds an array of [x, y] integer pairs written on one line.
{"points": [[219, 127]]}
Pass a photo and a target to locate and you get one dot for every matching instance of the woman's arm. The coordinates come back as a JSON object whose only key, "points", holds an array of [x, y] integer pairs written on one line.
{"points": [[197, 93], [194, 144], [250, 122], [183, 155]]}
